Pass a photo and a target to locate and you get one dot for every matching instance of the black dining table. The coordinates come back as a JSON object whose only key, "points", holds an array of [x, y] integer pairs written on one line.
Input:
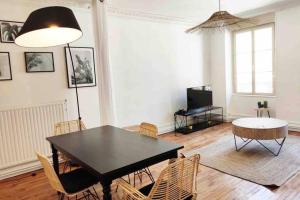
{"points": [[109, 152]]}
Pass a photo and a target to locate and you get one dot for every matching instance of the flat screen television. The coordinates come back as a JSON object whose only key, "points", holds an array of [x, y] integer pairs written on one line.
{"points": [[198, 98]]}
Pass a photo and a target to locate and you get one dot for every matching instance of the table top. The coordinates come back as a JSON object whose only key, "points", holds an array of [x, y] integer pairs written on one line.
{"points": [[107, 149], [260, 123]]}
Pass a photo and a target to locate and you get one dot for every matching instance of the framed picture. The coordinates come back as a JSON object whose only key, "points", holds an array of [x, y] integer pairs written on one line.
{"points": [[84, 65], [39, 62], [5, 68], [10, 30]]}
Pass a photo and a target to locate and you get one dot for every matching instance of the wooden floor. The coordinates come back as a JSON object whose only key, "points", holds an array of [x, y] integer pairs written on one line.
{"points": [[212, 184]]}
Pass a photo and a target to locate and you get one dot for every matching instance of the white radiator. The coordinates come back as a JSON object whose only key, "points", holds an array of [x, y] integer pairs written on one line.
{"points": [[23, 131]]}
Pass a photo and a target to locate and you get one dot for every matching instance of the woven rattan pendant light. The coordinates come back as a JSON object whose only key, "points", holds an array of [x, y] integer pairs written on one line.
{"points": [[218, 21]]}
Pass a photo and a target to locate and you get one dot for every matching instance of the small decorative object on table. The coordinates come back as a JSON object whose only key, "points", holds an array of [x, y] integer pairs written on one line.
{"points": [[262, 107], [260, 112], [265, 104]]}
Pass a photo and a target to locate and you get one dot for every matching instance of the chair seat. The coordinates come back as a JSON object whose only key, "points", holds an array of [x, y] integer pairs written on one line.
{"points": [[147, 189], [77, 180]]}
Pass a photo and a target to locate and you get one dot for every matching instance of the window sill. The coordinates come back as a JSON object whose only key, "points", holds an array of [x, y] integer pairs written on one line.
{"points": [[254, 95]]}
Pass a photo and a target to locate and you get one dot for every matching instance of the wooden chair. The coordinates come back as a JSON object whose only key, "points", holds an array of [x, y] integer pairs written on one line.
{"points": [[74, 183], [68, 127], [64, 128], [149, 130], [176, 182]]}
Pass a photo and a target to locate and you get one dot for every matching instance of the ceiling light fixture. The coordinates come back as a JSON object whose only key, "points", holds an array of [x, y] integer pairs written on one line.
{"points": [[218, 21]]}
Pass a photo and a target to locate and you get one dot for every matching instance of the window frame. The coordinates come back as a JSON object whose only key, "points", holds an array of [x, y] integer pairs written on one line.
{"points": [[234, 75]]}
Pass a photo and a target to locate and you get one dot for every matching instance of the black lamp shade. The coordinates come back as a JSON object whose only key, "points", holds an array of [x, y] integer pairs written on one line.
{"points": [[49, 26]]}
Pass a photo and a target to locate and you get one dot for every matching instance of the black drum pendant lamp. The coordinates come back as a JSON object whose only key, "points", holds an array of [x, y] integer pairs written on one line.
{"points": [[48, 27]]}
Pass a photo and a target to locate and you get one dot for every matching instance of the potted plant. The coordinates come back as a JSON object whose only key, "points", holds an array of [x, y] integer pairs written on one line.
{"points": [[265, 104]]}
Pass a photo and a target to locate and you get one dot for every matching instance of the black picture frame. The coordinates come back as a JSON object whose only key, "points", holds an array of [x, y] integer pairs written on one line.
{"points": [[75, 57], [51, 62], [14, 29], [9, 67]]}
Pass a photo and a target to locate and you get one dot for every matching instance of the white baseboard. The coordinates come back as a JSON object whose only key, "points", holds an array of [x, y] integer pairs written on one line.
{"points": [[231, 117], [166, 128], [294, 126], [22, 168], [19, 169]]}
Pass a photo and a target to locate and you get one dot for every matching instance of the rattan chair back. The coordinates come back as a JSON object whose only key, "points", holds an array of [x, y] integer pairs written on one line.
{"points": [[50, 173], [177, 181], [148, 129], [68, 127]]}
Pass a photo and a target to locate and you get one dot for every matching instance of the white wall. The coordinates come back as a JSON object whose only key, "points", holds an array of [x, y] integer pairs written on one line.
{"points": [[288, 65], [221, 69], [152, 64], [218, 68], [37, 88]]}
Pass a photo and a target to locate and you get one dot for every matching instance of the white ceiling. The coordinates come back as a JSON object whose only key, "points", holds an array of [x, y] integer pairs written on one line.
{"points": [[197, 9], [191, 10], [43, 3]]}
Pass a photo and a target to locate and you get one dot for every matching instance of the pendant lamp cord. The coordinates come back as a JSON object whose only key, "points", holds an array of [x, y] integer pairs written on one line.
{"points": [[219, 5]]}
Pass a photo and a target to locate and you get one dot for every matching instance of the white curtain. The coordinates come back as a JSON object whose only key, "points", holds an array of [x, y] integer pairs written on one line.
{"points": [[107, 115]]}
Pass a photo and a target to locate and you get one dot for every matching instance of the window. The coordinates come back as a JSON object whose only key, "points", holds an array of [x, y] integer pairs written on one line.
{"points": [[253, 52]]}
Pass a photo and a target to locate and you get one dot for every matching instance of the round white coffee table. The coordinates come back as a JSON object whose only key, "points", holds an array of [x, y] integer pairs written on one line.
{"points": [[249, 129]]}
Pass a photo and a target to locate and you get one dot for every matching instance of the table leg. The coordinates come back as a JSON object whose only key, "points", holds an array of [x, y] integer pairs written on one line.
{"points": [[274, 153], [175, 155], [175, 121], [106, 189], [186, 122], [55, 159], [222, 115], [247, 141]]}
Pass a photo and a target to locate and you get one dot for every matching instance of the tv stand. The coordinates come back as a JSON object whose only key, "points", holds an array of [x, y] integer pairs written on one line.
{"points": [[197, 119]]}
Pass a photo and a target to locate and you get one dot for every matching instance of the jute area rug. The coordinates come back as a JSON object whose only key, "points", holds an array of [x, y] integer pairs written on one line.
{"points": [[253, 163]]}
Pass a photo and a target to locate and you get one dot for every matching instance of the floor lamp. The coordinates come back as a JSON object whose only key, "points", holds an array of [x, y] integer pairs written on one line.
{"points": [[48, 27]]}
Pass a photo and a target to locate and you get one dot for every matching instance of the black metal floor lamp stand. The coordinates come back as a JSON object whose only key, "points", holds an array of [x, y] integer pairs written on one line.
{"points": [[247, 141], [76, 89]]}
